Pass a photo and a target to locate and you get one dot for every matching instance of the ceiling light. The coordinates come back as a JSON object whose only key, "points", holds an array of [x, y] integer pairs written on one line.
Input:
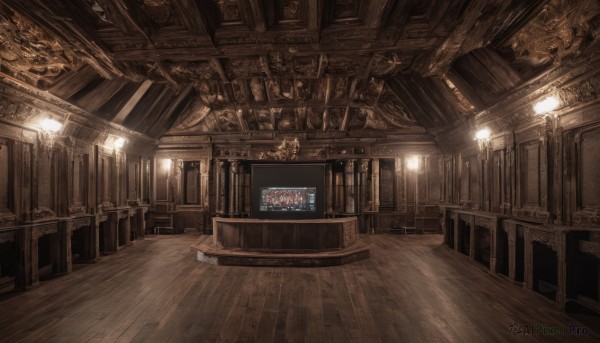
{"points": [[546, 106]]}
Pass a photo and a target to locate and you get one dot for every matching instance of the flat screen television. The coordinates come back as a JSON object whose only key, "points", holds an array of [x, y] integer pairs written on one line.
{"points": [[288, 191], [288, 199]]}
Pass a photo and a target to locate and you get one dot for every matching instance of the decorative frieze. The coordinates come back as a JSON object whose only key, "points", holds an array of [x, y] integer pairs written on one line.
{"points": [[543, 237]]}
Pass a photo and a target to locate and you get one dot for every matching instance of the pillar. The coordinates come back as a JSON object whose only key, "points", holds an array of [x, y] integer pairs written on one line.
{"points": [[362, 187], [329, 188], [349, 186], [234, 190], [221, 185], [65, 262], [374, 196]]}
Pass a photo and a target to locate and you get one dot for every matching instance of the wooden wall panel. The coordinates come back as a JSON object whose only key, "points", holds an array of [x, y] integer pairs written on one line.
{"points": [[589, 168], [5, 179], [434, 171], [530, 174]]}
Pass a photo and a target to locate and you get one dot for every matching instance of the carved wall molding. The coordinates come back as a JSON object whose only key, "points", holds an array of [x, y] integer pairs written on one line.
{"points": [[546, 238], [43, 230], [34, 104], [587, 218], [484, 222], [81, 222], [7, 236], [592, 248]]}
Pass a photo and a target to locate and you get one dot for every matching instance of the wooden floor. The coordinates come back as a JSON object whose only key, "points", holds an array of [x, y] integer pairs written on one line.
{"points": [[412, 289]]}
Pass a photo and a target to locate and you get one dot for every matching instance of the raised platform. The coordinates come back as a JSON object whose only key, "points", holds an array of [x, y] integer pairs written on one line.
{"points": [[208, 253], [262, 242]]}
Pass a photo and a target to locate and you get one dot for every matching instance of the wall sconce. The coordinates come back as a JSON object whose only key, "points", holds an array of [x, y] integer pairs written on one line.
{"points": [[412, 163], [48, 134], [483, 138], [166, 164], [119, 142], [545, 107]]}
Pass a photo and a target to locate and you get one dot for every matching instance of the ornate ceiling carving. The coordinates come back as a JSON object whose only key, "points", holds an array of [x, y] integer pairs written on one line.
{"points": [[557, 32], [339, 67], [26, 48]]}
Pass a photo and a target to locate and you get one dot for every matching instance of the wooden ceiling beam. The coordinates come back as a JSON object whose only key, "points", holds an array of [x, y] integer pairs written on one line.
{"points": [[453, 45], [215, 63], [406, 46], [148, 111], [258, 12], [193, 18], [96, 98], [135, 17], [376, 12], [73, 81], [133, 101], [175, 108], [315, 15]]}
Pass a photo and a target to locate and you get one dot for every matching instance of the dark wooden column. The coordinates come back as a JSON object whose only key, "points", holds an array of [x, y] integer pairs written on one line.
{"points": [[350, 192], [329, 188], [65, 263], [23, 274], [234, 191], [374, 196], [221, 187], [362, 185]]}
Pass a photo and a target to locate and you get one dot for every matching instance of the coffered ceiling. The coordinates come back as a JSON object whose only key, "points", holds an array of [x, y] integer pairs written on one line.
{"points": [[218, 67]]}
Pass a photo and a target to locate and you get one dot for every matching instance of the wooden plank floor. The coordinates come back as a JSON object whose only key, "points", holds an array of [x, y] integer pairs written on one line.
{"points": [[412, 289]]}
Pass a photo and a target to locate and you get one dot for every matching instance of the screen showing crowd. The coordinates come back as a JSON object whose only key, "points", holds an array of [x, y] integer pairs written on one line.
{"points": [[288, 199]]}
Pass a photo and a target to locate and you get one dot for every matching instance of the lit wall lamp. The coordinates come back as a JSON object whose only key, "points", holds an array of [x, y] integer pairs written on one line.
{"points": [[483, 139], [119, 142], [167, 164], [50, 128], [544, 109], [412, 163]]}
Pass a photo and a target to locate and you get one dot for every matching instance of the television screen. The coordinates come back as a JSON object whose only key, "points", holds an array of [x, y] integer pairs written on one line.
{"points": [[288, 199], [287, 190]]}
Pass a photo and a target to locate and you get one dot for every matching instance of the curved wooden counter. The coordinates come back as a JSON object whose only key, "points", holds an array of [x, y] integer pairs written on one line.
{"points": [[270, 235]]}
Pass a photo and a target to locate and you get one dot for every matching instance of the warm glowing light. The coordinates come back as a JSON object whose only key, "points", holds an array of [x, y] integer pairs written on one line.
{"points": [[412, 163], [119, 142], [547, 105], [166, 164], [483, 134], [50, 125]]}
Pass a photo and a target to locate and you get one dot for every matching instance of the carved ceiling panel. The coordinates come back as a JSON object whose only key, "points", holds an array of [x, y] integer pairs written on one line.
{"points": [[97, 12], [558, 32], [162, 13], [265, 119], [286, 65], [358, 119], [235, 66], [191, 72], [347, 10], [290, 11], [26, 48], [229, 13], [287, 119], [242, 67], [350, 65]]}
